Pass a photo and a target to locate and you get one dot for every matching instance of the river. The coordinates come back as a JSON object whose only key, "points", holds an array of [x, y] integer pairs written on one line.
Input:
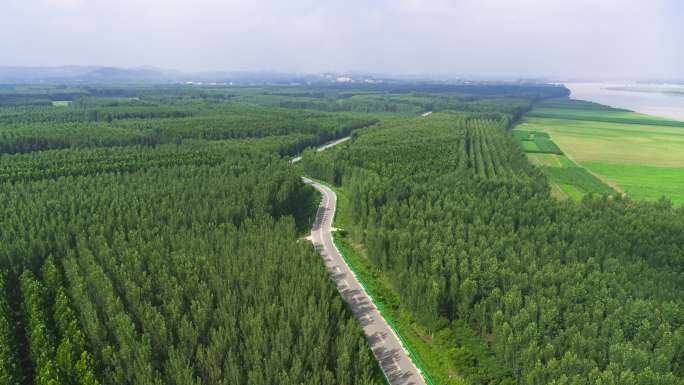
{"points": [[651, 103]]}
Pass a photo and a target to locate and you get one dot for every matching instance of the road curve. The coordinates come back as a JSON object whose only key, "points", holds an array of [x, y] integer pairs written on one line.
{"points": [[385, 344]]}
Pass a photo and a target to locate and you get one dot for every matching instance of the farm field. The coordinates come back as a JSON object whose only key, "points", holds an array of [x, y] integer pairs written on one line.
{"points": [[638, 180], [567, 179], [640, 154]]}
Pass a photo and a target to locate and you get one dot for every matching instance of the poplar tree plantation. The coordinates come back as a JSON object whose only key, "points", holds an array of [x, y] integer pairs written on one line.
{"points": [[154, 235]]}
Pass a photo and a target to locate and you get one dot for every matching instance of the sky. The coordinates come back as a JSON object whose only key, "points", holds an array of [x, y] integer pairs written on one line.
{"points": [[629, 39]]}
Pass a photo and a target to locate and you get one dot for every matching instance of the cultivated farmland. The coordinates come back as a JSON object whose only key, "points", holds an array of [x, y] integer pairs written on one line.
{"points": [[568, 180], [641, 154]]}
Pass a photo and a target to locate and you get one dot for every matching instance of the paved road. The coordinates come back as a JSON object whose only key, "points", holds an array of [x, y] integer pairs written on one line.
{"points": [[324, 147], [394, 360]]}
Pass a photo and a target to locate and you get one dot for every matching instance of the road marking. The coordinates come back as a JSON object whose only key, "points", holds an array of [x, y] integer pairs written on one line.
{"points": [[396, 364]]}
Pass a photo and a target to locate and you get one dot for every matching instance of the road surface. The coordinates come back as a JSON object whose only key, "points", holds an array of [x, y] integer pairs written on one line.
{"points": [[338, 141], [324, 147], [387, 348]]}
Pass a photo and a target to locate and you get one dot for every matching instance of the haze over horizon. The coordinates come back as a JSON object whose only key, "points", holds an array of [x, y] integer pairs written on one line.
{"points": [[632, 39]]}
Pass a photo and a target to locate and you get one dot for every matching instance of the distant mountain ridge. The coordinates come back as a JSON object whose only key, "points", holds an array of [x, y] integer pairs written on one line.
{"points": [[109, 74], [85, 74], [80, 75]]}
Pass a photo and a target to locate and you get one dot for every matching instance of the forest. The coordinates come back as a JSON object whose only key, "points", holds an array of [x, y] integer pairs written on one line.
{"points": [[153, 235], [159, 244], [466, 231]]}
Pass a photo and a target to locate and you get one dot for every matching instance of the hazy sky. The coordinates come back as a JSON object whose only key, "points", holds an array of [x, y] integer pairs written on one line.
{"points": [[570, 38]]}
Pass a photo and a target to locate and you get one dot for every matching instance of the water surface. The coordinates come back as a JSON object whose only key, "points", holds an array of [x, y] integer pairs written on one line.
{"points": [[651, 103]]}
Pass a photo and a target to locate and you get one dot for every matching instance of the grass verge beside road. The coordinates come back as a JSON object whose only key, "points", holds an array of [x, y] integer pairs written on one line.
{"points": [[454, 355], [451, 356]]}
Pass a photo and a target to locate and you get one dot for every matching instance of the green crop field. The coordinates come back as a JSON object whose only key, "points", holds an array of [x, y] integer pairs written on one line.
{"points": [[530, 146], [641, 154], [606, 116], [536, 142], [544, 160], [571, 191], [639, 180], [568, 179]]}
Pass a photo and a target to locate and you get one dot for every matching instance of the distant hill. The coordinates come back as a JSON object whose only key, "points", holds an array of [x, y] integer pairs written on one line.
{"points": [[85, 74], [116, 75], [98, 74], [81, 75]]}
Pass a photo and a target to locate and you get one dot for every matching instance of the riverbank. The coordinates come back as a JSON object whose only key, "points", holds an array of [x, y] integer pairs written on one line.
{"points": [[666, 105]]}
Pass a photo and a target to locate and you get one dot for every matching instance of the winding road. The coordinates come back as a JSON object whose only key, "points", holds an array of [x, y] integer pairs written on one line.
{"points": [[324, 147], [387, 348]]}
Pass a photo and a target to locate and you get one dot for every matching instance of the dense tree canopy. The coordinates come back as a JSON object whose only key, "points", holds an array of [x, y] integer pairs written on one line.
{"points": [[128, 262], [150, 236], [466, 229]]}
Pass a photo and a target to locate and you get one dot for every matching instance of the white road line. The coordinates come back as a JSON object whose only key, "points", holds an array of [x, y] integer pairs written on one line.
{"points": [[396, 365], [323, 147]]}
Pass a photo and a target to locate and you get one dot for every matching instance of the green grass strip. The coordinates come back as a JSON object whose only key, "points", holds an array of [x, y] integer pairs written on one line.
{"points": [[381, 308], [536, 142], [606, 119], [415, 358]]}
